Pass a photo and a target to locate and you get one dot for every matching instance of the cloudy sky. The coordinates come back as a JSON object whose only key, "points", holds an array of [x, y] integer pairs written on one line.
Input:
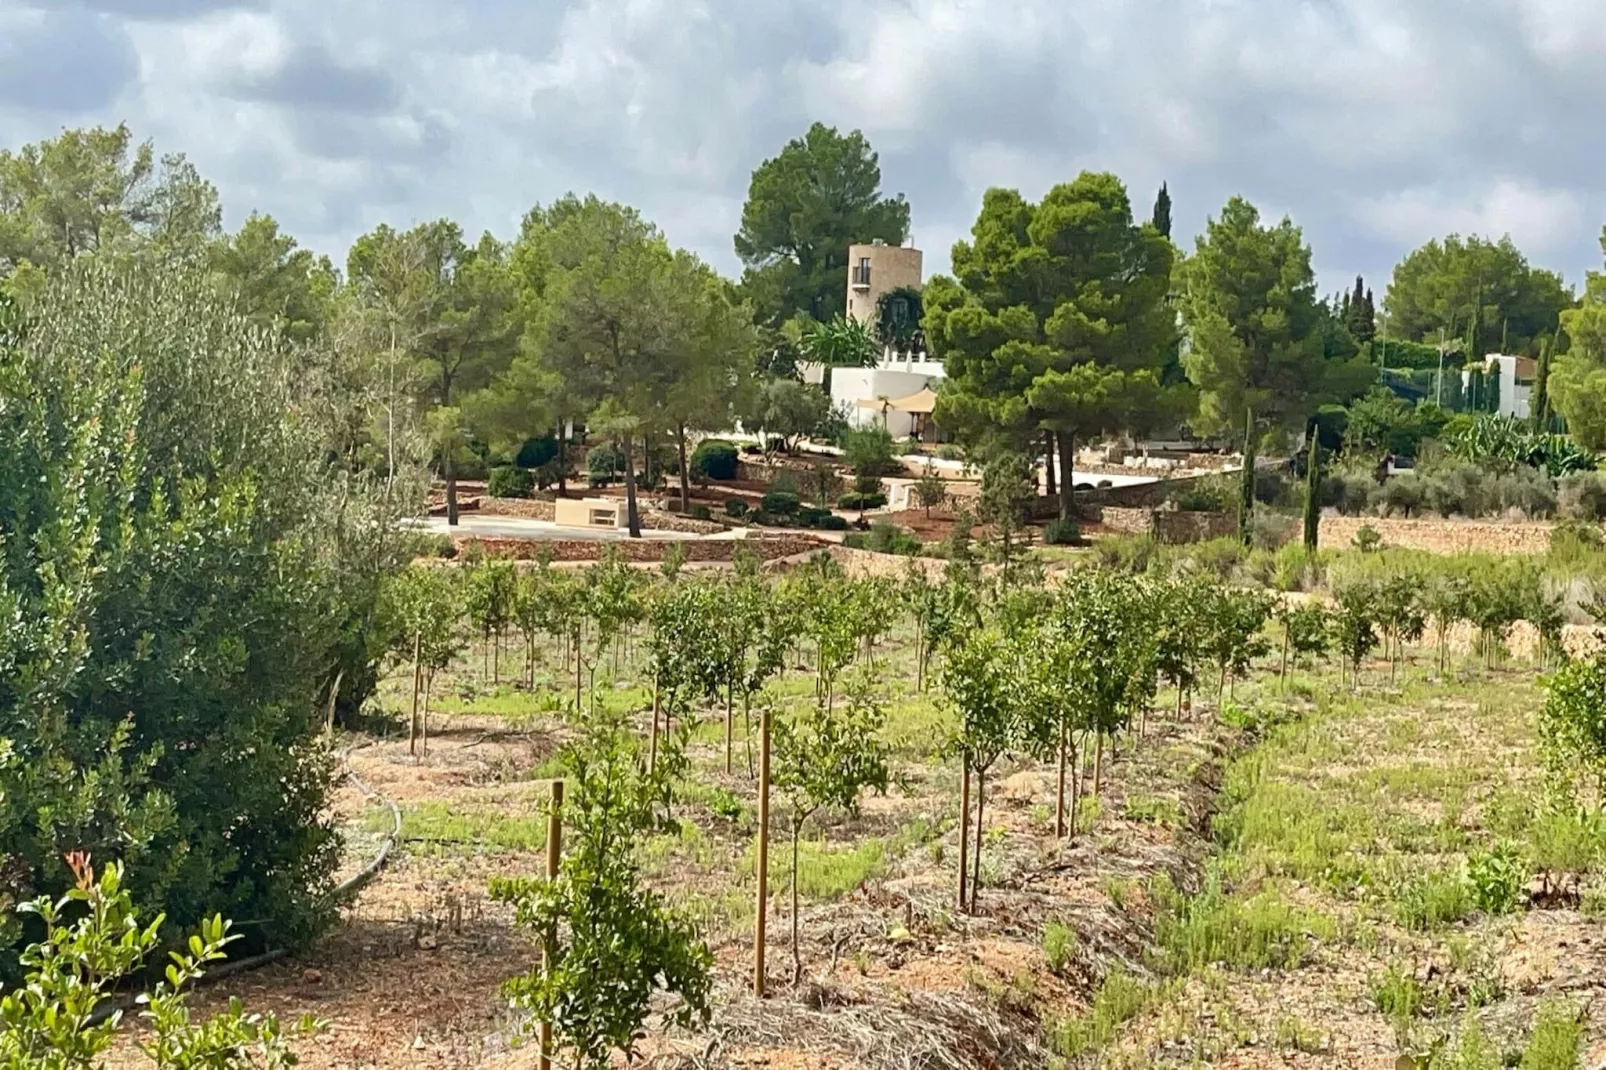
{"points": [[1375, 123]]}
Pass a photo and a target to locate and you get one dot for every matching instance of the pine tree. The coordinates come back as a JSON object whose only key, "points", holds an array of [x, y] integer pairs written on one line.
{"points": [[1162, 211]]}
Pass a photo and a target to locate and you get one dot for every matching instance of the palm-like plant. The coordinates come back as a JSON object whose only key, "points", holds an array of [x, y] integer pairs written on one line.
{"points": [[840, 342]]}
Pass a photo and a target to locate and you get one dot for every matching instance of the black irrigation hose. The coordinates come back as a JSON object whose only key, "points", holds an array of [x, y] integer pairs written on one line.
{"points": [[347, 888]]}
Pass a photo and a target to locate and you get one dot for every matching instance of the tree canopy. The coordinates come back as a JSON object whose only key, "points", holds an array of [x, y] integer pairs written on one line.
{"points": [[1259, 339], [1576, 385], [804, 208], [1055, 319], [1481, 292]]}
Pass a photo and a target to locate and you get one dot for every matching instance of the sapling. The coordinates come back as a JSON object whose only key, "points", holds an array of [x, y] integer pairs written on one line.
{"points": [[620, 946], [826, 757], [982, 679]]}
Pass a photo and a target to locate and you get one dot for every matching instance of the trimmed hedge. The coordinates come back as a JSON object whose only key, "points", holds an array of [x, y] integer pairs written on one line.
{"points": [[714, 458]]}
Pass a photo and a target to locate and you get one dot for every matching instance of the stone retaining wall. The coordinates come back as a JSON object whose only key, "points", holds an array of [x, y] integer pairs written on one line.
{"points": [[1171, 526], [1438, 535], [766, 549]]}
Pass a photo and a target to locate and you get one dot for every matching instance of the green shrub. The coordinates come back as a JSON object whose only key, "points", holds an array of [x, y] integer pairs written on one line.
{"points": [[855, 500], [809, 516], [832, 522], [714, 458], [1498, 877], [1059, 532], [699, 511], [537, 452], [1367, 540], [1120, 998], [1583, 496], [604, 464], [510, 482], [780, 503], [735, 506], [1401, 494], [1348, 490], [950, 452], [165, 692]]}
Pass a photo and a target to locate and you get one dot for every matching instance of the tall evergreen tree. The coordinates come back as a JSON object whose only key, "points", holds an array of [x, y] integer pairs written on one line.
{"points": [[1056, 321], [1358, 317], [1162, 212]]}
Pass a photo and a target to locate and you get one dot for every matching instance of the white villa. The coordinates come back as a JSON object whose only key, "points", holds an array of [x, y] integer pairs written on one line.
{"points": [[897, 393]]}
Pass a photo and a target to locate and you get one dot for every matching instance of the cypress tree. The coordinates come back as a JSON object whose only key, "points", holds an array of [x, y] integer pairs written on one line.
{"points": [[1540, 403], [1246, 490], [1162, 211], [1313, 483]]}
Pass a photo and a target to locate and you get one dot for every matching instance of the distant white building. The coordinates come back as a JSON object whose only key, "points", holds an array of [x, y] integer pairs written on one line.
{"points": [[898, 392], [1516, 378]]}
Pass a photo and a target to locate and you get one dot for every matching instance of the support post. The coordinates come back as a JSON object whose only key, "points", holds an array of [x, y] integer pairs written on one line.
{"points": [[554, 854], [761, 917]]}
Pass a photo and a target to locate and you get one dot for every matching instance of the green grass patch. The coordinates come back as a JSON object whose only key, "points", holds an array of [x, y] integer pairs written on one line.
{"points": [[1261, 931], [1119, 999], [437, 823]]}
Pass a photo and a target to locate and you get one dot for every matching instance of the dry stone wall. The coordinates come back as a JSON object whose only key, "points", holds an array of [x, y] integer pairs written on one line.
{"points": [[1440, 536]]}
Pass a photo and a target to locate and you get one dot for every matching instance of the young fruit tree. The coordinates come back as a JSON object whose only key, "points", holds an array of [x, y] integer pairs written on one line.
{"points": [[427, 601], [982, 680], [492, 590], [1354, 625], [93, 939], [617, 947], [825, 758], [1573, 725], [1235, 639], [1306, 632]]}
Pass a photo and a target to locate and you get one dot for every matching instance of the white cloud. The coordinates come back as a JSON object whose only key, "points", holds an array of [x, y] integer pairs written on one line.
{"points": [[1534, 216], [1376, 123]]}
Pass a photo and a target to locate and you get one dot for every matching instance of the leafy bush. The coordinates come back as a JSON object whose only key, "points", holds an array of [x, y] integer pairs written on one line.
{"points": [[699, 511], [1527, 490], [810, 517], [1349, 490], [1583, 496], [537, 452], [189, 569], [869, 452], [780, 503], [1367, 539], [1058, 532], [714, 458], [1401, 494], [604, 464], [884, 537], [1059, 944], [1459, 489], [1507, 440], [1573, 721], [1205, 496], [1558, 1036], [735, 506], [1269, 531], [510, 482], [50, 1020], [950, 452], [832, 522], [855, 500], [1498, 878]]}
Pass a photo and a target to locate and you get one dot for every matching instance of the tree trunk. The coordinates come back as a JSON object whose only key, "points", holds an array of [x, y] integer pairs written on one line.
{"points": [[652, 745], [563, 457], [1098, 762], [981, 800], [1246, 489], [964, 832], [1050, 484], [920, 654], [1283, 675], [730, 724], [449, 469], [797, 954], [1067, 450], [685, 470], [423, 715], [1076, 782], [631, 512]]}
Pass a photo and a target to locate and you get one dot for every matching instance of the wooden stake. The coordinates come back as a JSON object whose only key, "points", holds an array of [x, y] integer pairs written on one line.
{"points": [[554, 854], [1059, 802], [762, 916], [964, 834], [412, 725]]}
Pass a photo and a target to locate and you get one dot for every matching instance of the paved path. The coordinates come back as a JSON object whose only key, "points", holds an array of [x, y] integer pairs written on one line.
{"points": [[517, 527]]}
